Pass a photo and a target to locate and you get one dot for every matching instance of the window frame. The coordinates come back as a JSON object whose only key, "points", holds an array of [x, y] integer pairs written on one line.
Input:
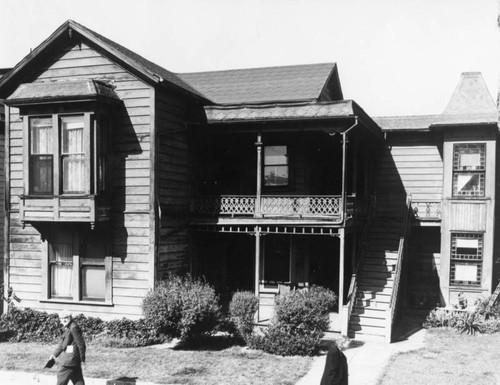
{"points": [[287, 165], [461, 149], [93, 150], [466, 259], [80, 235]]}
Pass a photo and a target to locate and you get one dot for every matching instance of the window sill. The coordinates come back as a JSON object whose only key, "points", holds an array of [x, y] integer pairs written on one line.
{"points": [[71, 302], [466, 198]]}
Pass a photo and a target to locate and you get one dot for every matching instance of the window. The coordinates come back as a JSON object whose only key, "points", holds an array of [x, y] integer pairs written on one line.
{"points": [[66, 154], [41, 158], [78, 260], [469, 164], [275, 166], [466, 259]]}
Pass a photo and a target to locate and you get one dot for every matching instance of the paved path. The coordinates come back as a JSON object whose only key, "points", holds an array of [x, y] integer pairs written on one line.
{"points": [[366, 363]]}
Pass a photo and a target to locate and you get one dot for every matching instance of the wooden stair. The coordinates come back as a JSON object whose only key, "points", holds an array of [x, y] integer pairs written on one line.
{"points": [[375, 280]]}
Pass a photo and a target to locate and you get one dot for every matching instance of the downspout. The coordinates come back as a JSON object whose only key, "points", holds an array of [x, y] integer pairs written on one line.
{"points": [[344, 159]]}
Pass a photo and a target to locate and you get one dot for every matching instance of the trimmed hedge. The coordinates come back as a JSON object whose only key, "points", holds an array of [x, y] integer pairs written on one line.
{"points": [[242, 309], [28, 325], [183, 307], [301, 318]]}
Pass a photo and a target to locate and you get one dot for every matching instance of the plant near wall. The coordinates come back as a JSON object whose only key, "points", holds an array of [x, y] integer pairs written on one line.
{"points": [[301, 318], [242, 309], [183, 307]]}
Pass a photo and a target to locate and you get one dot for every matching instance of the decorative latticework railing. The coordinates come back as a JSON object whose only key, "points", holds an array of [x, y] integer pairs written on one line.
{"points": [[274, 205], [426, 210], [225, 205]]}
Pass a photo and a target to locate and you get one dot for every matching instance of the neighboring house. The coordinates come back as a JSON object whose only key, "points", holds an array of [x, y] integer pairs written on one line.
{"points": [[265, 179]]}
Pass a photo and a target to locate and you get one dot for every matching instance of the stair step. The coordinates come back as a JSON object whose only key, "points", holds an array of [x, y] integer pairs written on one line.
{"points": [[373, 274], [385, 254], [373, 312], [365, 329], [375, 283], [374, 290], [377, 267], [376, 296], [371, 304]]}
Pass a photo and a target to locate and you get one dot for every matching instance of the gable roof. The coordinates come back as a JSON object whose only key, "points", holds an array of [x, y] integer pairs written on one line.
{"points": [[152, 72], [471, 103], [298, 83]]}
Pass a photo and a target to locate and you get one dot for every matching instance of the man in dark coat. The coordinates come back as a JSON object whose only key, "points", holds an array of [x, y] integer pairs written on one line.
{"points": [[336, 372], [71, 353]]}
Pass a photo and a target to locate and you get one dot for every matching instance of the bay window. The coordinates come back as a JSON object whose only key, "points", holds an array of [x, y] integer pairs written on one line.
{"points": [[66, 154]]}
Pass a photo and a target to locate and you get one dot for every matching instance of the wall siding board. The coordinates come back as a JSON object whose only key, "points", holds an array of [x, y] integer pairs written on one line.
{"points": [[130, 186]]}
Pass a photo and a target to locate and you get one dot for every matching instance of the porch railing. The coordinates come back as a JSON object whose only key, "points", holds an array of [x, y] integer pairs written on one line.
{"points": [[275, 205], [396, 292], [426, 210]]}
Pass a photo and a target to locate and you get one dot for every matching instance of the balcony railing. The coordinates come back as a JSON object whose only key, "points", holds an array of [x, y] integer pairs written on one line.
{"points": [[426, 210], [301, 206]]}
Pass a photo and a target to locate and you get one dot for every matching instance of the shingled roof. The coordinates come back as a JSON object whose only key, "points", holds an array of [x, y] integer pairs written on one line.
{"points": [[153, 72], [268, 84], [405, 123], [471, 103]]}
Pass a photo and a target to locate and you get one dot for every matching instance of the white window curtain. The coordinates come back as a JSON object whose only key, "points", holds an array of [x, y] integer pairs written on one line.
{"points": [[73, 159], [62, 270]]}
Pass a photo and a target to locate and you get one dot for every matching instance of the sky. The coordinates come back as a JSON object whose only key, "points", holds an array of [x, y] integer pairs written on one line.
{"points": [[395, 57]]}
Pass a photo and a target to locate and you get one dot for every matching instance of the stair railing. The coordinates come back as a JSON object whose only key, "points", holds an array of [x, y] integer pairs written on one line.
{"points": [[396, 293], [353, 286]]}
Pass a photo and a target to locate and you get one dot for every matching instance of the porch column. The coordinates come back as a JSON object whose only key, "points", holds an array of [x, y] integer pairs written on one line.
{"points": [[258, 144], [344, 168], [341, 268], [257, 260]]}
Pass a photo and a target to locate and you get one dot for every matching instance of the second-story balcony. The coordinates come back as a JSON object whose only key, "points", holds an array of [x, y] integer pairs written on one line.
{"points": [[426, 210], [314, 207]]}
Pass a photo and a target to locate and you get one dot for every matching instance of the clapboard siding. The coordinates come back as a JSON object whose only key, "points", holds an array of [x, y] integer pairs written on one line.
{"points": [[173, 184], [130, 187], [412, 165]]}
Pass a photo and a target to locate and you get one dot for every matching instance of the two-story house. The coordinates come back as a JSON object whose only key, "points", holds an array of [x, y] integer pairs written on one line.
{"points": [[119, 172]]}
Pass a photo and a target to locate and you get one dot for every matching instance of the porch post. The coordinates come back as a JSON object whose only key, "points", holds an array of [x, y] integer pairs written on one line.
{"points": [[258, 144], [344, 168], [341, 269], [257, 260]]}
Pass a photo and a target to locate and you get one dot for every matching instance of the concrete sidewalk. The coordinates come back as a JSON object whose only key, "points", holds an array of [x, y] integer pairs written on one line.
{"points": [[366, 361]]}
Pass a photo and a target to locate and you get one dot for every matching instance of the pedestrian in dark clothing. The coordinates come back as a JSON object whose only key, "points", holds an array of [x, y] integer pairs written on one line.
{"points": [[336, 372], [71, 353]]}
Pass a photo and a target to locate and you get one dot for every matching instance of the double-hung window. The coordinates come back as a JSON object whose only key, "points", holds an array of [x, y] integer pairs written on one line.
{"points": [[276, 166], [79, 264], [41, 156], [469, 165], [466, 259]]}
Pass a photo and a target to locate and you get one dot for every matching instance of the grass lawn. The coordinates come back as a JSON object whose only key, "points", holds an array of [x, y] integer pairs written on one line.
{"points": [[234, 365], [448, 358]]}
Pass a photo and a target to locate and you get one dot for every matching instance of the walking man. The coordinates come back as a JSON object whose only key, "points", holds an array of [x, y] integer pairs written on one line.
{"points": [[335, 372], [71, 352]]}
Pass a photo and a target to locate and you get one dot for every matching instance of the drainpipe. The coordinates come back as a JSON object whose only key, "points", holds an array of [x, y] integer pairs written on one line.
{"points": [[344, 159]]}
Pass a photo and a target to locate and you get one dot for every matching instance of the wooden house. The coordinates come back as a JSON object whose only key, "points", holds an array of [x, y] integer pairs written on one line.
{"points": [[119, 172]]}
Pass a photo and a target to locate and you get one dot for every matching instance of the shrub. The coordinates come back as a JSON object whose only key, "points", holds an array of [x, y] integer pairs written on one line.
{"points": [[483, 309], [301, 318], [182, 307], [25, 324], [242, 309], [30, 325], [305, 309], [285, 341]]}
